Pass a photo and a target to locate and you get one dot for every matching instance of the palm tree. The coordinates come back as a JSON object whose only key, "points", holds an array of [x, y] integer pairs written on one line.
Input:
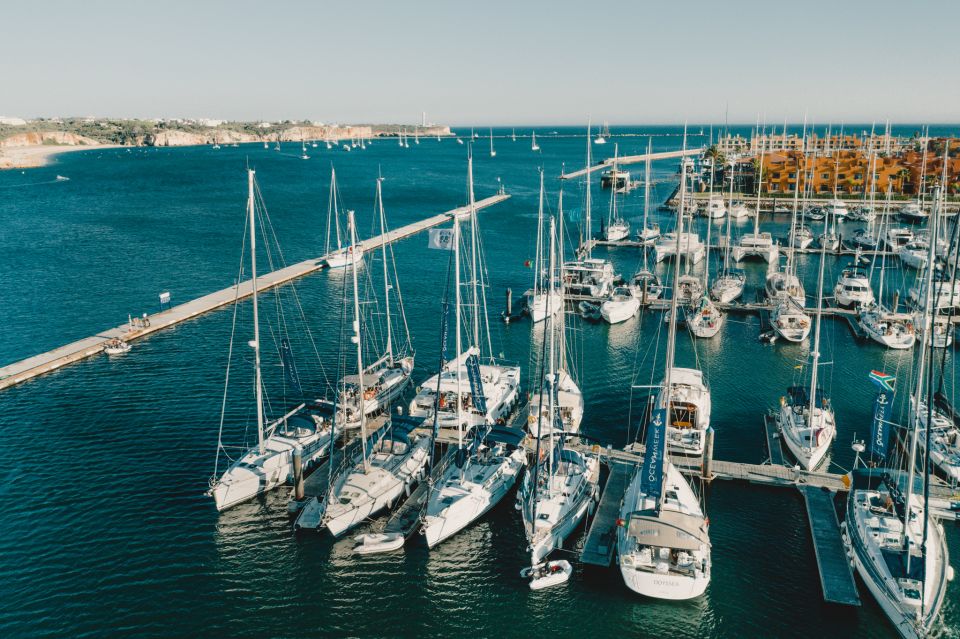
{"points": [[902, 175]]}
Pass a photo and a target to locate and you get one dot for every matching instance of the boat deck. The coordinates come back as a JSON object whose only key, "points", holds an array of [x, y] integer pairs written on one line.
{"points": [[31, 367], [601, 541], [836, 576]]}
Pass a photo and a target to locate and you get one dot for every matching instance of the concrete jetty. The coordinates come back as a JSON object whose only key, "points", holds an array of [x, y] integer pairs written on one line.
{"points": [[31, 367]]}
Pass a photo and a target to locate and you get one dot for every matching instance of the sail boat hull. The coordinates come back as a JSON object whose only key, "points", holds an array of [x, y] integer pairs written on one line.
{"points": [[456, 504]]}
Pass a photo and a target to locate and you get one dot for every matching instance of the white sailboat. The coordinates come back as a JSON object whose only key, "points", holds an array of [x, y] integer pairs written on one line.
{"points": [[339, 254], [703, 318], [898, 547], [533, 144], [390, 461], [617, 228], [557, 492], [306, 428], [544, 297], [757, 244], [602, 135], [493, 153], [648, 233], [663, 544], [384, 380], [730, 283], [567, 398], [620, 306], [806, 417], [487, 465]]}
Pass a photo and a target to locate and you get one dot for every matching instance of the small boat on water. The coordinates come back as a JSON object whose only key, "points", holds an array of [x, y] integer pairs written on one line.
{"points": [[620, 306], [913, 212], [116, 346], [715, 208], [590, 311], [617, 229], [645, 285], [550, 573]]}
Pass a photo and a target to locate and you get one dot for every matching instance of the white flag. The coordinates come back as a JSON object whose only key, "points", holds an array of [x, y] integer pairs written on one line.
{"points": [[441, 239]]}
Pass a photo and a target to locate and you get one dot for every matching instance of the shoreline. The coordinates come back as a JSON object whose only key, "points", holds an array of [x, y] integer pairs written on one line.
{"points": [[35, 156]]}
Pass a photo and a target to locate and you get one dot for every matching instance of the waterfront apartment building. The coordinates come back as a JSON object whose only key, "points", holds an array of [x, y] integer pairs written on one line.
{"points": [[739, 145]]}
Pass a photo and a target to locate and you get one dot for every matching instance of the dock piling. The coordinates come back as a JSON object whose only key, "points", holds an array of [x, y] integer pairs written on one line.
{"points": [[707, 469], [298, 473]]}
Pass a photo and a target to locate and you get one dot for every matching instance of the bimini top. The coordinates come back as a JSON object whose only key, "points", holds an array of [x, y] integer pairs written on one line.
{"points": [[669, 529], [506, 435]]}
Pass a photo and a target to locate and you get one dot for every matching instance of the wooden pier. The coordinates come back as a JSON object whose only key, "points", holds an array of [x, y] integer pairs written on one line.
{"points": [[31, 367]]}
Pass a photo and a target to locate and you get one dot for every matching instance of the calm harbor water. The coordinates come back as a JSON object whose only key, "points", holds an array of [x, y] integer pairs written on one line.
{"points": [[105, 526]]}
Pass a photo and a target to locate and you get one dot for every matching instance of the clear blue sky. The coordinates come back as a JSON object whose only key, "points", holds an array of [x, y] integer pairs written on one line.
{"points": [[484, 62]]}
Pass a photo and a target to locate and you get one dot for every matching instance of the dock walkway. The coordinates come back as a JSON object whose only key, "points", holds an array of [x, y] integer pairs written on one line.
{"points": [[774, 447], [836, 577], [31, 367], [601, 541]]}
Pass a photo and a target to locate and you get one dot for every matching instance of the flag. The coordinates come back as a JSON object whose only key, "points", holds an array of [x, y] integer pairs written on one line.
{"points": [[883, 381], [527, 263], [441, 239]]}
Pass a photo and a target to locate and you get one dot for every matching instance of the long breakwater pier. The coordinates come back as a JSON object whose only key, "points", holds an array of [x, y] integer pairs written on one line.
{"points": [[631, 159], [31, 367]]}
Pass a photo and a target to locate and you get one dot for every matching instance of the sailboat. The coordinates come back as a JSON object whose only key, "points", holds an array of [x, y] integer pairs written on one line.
{"points": [[703, 317], [730, 283], [383, 380], [587, 275], [806, 417], [303, 150], [513, 135], [617, 228], [567, 399], [757, 244], [648, 233], [663, 542], [603, 134], [487, 461], [887, 326], [898, 547], [493, 153], [388, 462], [533, 145], [557, 492], [544, 297], [679, 244], [495, 389], [341, 257], [307, 428]]}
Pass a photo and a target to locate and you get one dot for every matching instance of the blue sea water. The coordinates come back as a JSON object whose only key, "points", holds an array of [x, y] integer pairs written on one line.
{"points": [[106, 530]]}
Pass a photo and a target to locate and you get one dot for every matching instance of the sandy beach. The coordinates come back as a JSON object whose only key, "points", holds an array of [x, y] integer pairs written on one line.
{"points": [[26, 157]]}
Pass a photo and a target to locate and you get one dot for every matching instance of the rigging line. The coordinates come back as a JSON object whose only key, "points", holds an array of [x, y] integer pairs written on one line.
{"points": [[233, 329]]}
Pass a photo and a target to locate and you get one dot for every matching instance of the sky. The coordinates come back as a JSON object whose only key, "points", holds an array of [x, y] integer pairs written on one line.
{"points": [[488, 62]]}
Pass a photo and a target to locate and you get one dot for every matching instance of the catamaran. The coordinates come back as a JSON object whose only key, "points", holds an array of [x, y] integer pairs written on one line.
{"points": [[339, 256], [663, 542], [307, 428]]}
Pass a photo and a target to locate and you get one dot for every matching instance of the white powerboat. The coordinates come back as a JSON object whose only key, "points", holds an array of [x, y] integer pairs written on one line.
{"points": [[620, 306], [740, 211], [590, 277], [914, 212], [790, 321], [914, 254], [836, 209], [896, 237], [853, 287], [116, 346], [944, 442]]}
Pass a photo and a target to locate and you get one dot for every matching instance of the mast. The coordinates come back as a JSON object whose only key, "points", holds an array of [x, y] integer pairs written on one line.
{"points": [[646, 185], [456, 270], [562, 363], [538, 257], [612, 212], [553, 364], [386, 280], [352, 225], [335, 208], [883, 256], [588, 235], [921, 362], [474, 273], [251, 212], [726, 253], [816, 331]]}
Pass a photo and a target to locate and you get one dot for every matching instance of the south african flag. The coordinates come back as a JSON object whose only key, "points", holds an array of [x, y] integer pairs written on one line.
{"points": [[883, 380]]}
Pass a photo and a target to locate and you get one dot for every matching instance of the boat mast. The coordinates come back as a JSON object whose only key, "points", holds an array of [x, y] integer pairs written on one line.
{"points": [[252, 213], [553, 365], [562, 363], [538, 258], [588, 235], [726, 253], [612, 212], [474, 273], [386, 280], [926, 326], [352, 226], [883, 256], [672, 332], [646, 186], [816, 332]]}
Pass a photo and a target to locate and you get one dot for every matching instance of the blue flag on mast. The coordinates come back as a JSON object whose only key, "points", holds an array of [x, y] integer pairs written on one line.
{"points": [[651, 478], [476, 384], [880, 428], [289, 366]]}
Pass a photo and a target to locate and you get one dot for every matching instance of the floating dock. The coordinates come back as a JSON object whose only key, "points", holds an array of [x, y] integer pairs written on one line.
{"points": [[601, 542], [836, 576], [31, 367], [774, 447], [631, 159]]}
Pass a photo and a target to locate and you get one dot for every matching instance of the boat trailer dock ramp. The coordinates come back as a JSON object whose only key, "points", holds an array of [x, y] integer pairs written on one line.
{"points": [[31, 367]]}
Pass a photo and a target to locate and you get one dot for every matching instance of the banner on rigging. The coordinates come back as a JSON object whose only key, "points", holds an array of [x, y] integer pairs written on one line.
{"points": [[651, 479], [441, 239], [476, 384], [880, 427]]}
